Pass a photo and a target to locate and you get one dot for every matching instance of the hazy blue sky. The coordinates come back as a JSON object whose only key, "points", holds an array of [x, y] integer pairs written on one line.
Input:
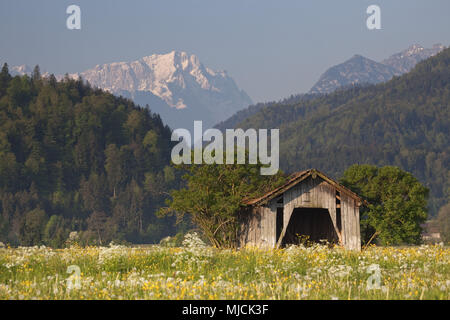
{"points": [[271, 48]]}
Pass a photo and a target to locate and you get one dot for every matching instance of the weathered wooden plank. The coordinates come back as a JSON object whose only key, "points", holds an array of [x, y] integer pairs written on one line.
{"points": [[356, 232], [354, 237], [344, 220], [252, 229], [262, 228], [353, 224], [258, 229], [266, 226], [358, 229], [350, 223], [298, 195], [317, 193], [344, 207], [273, 224]]}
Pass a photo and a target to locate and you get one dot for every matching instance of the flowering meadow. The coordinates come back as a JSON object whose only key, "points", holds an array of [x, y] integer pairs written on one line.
{"points": [[196, 271]]}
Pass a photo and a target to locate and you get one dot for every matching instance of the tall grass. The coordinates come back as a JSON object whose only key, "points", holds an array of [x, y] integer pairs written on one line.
{"points": [[196, 271]]}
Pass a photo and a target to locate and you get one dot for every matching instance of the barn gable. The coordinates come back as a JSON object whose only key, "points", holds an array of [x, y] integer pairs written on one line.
{"points": [[309, 203]]}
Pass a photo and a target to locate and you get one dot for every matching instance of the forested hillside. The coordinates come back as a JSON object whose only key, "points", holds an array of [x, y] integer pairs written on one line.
{"points": [[74, 158], [241, 115], [404, 122]]}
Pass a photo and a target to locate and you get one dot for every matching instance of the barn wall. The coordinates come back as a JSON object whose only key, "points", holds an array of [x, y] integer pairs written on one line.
{"points": [[350, 223], [259, 226]]}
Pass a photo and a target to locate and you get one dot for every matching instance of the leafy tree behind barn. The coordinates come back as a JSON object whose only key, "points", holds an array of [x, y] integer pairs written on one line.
{"points": [[397, 203], [213, 194]]}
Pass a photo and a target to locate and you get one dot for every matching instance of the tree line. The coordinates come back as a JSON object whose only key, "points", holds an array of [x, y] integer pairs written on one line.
{"points": [[76, 158]]}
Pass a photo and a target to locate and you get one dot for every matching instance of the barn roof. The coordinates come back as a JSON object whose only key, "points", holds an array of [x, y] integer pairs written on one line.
{"points": [[295, 179]]}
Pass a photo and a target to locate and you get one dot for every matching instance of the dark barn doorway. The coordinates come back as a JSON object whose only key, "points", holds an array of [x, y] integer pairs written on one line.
{"points": [[314, 223]]}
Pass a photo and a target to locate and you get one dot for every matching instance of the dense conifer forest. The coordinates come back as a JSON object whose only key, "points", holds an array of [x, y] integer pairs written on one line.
{"points": [[75, 158]]}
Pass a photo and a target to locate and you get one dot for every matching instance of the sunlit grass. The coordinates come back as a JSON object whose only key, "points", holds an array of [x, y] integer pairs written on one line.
{"points": [[199, 272]]}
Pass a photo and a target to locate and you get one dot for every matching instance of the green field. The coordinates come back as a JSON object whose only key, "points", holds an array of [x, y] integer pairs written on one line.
{"points": [[196, 271]]}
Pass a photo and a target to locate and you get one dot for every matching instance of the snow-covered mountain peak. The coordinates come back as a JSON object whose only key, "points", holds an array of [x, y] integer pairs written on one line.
{"points": [[176, 85], [177, 78], [359, 69], [405, 60], [412, 50], [22, 69]]}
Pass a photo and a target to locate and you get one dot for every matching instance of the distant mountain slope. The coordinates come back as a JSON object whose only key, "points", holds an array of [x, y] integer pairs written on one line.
{"points": [[359, 70], [356, 70], [355, 73], [175, 85], [406, 60], [403, 122]]}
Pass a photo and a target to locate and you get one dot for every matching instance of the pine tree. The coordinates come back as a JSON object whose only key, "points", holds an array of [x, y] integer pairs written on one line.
{"points": [[5, 78], [36, 75]]}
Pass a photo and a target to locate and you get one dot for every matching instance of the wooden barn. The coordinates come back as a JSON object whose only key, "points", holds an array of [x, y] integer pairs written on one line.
{"points": [[309, 204]]}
